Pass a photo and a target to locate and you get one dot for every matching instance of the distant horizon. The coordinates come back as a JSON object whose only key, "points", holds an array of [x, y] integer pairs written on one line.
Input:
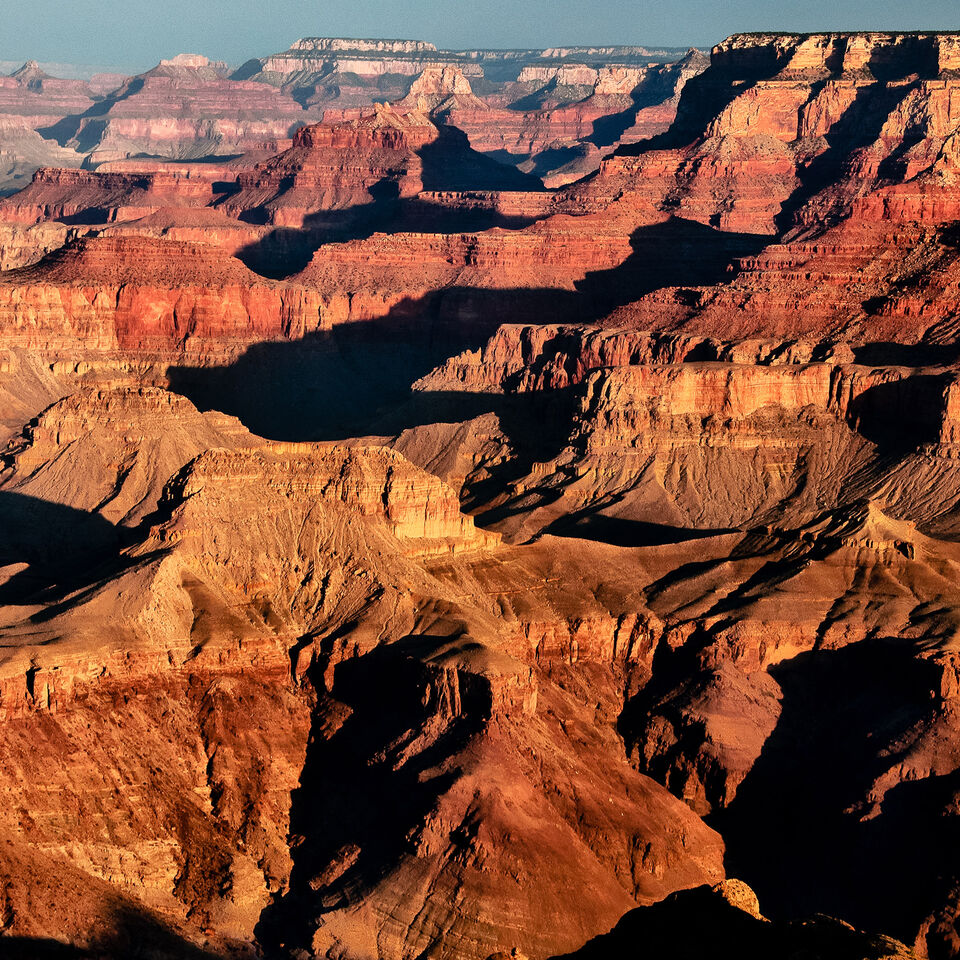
{"points": [[71, 70], [77, 69], [135, 35]]}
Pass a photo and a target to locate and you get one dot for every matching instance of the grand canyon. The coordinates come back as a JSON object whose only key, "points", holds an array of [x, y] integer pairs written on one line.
{"points": [[483, 504]]}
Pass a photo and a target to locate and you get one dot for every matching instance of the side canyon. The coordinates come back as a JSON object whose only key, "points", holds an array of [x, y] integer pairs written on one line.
{"points": [[483, 504]]}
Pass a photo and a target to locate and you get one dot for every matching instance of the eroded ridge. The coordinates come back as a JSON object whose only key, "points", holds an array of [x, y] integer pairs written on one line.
{"points": [[517, 518]]}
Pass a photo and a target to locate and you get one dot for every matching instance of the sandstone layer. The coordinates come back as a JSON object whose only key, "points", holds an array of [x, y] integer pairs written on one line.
{"points": [[405, 556]]}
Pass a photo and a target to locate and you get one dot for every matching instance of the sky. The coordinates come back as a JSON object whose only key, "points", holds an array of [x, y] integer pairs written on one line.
{"points": [[136, 34]]}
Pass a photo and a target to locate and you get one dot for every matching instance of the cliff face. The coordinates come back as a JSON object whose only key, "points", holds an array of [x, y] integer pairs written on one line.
{"points": [[553, 115], [312, 176], [128, 440], [578, 516], [562, 119], [140, 295], [31, 101], [317, 63], [64, 195], [794, 130], [182, 109], [791, 499], [348, 548], [21, 245]]}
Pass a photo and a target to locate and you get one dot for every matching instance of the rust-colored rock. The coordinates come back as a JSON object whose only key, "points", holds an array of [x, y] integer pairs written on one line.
{"points": [[401, 559]]}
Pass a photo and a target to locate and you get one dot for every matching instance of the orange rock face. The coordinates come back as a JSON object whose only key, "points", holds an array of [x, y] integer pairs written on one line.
{"points": [[408, 553], [311, 176]]}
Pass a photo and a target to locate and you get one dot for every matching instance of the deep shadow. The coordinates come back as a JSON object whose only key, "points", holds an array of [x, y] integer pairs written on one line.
{"points": [[902, 415], [37, 948], [355, 379], [247, 69], [858, 127], [67, 129], [359, 798], [546, 161], [620, 532], [670, 669], [654, 90], [796, 830], [537, 426], [384, 195], [343, 382], [893, 62], [449, 163], [894, 166], [133, 934], [422, 214], [675, 253], [66, 550], [338, 383], [610, 128], [699, 923], [880, 354], [63, 547], [137, 934], [90, 217], [285, 251], [538, 100], [949, 235]]}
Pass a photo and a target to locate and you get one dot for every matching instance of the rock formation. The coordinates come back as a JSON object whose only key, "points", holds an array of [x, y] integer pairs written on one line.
{"points": [[181, 109], [730, 924], [189, 107], [411, 554], [30, 101]]}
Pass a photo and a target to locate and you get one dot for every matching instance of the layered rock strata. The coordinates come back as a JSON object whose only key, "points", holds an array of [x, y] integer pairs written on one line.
{"points": [[622, 512]]}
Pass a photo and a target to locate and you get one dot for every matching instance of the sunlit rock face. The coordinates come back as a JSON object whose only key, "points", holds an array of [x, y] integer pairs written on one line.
{"points": [[518, 519]]}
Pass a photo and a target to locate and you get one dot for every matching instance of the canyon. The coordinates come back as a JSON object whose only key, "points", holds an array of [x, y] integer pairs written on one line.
{"points": [[484, 504]]}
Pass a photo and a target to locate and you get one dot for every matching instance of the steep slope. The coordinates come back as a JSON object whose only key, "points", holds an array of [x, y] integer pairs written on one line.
{"points": [[128, 441], [139, 295], [30, 101], [183, 108], [389, 155], [561, 120], [623, 553], [341, 584]]}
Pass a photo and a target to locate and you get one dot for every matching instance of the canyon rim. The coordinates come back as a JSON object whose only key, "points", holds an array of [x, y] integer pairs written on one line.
{"points": [[483, 503]]}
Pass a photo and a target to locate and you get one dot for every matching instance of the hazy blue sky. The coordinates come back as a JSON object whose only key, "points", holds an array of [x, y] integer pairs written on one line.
{"points": [[137, 33]]}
